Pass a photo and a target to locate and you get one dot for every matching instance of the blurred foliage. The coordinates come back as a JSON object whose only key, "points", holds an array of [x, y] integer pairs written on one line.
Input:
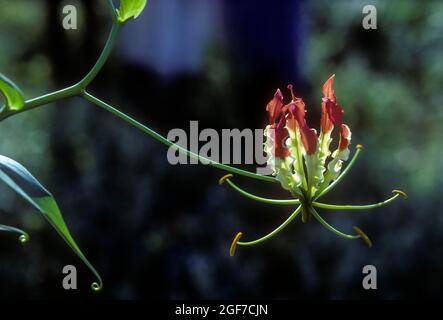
{"points": [[388, 81]]}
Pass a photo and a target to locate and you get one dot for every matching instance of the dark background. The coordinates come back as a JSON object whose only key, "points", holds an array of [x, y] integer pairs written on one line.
{"points": [[154, 230]]}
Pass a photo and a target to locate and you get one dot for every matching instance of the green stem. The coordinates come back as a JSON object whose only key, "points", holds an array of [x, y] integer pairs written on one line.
{"points": [[76, 89], [351, 207], [261, 199], [103, 57], [43, 100], [273, 233], [331, 228], [342, 175], [168, 143], [113, 12]]}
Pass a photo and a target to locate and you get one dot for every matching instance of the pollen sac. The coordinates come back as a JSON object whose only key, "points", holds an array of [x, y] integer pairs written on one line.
{"points": [[363, 236], [234, 244]]}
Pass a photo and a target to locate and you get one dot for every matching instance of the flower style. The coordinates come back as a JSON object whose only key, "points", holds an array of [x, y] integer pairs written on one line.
{"points": [[302, 162]]}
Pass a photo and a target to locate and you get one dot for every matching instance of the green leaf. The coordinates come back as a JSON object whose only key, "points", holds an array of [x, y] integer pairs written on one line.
{"points": [[23, 235], [13, 95], [18, 178], [130, 9]]}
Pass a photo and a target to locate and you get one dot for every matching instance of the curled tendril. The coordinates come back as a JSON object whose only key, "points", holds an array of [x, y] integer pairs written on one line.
{"points": [[95, 286], [24, 236]]}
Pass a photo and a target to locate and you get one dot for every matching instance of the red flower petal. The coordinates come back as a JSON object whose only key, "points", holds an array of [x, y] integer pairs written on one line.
{"points": [[328, 90], [335, 112], [345, 137], [308, 135], [332, 113], [309, 138], [274, 107], [280, 135], [326, 124], [296, 113]]}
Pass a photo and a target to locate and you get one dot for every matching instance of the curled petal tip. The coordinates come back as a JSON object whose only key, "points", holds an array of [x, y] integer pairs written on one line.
{"points": [[223, 179], [400, 193], [234, 244], [278, 95], [364, 236], [359, 146]]}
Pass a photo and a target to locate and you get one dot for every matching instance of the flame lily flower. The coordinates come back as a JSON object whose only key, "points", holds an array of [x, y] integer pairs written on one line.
{"points": [[301, 160]]}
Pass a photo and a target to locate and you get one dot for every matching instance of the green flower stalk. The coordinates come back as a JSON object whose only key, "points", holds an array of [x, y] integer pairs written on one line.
{"points": [[303, 163]]}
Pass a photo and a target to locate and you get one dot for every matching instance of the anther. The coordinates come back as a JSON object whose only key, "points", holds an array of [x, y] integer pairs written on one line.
{"points": [[359, 146], [225, 177], [400, 193], [364, 236], [234, 244]]}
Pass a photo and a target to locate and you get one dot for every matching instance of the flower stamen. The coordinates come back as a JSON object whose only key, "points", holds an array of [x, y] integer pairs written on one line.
{"points": [[253, 196], [224, 178], [400, 193], [269, 235], [331, 228], [397, 193], [364, 236], [234, 244]]}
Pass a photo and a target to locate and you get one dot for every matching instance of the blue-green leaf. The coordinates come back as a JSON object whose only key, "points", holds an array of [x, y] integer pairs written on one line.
{"points": [[18, 178], [13, 95], [130, 9], [23, 235]]}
